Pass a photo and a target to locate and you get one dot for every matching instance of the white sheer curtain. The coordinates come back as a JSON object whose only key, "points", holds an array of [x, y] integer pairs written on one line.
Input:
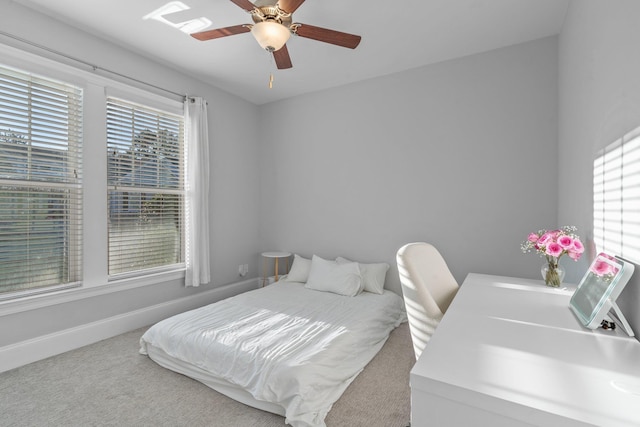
{"points": [[197, 190]]}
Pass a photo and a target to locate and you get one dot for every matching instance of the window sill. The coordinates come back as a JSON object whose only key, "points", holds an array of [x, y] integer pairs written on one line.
{"points": [[34, 302]]}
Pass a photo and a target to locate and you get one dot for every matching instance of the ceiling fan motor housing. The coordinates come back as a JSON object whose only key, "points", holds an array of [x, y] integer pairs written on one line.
{"points": [[271, 13]]}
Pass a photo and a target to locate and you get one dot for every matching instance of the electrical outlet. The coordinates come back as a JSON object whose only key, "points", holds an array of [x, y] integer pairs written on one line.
{"points": [[243, 269]]}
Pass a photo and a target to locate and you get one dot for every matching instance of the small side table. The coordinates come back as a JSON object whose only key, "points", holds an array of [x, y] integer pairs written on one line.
{"points": [[276, 256]]}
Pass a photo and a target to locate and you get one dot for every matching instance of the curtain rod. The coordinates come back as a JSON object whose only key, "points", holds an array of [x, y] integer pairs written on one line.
{"points": [[92, 66]]}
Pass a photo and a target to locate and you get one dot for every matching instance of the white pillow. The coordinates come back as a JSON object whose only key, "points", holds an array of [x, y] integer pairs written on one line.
{"points": [[373, 275], [329, 276], [299, 271]]}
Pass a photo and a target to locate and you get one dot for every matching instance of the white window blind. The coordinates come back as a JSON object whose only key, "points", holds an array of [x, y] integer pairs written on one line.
{"points": [[616, 198], [40, 182], [145, 187]]}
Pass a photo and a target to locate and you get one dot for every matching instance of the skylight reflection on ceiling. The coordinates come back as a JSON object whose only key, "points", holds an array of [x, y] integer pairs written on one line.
{"points": [[174, 7]]}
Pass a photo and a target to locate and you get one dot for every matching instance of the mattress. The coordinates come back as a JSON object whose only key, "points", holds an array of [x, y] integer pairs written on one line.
{"points": [[283, 348]]}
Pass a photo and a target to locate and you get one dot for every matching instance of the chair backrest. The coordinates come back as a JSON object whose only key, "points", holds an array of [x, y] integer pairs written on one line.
{"points": [[428, 287]]}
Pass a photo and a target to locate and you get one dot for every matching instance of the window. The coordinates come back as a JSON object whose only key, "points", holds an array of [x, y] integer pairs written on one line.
{"points": [[616, 197], [91, 183], [40, 182], [145, 173]]}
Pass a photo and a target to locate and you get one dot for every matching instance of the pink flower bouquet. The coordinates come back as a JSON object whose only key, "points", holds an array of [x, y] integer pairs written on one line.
{"points": [[553, 245]]}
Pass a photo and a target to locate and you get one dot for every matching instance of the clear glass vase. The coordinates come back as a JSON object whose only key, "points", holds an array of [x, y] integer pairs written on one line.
{"points": [[552, 274]]}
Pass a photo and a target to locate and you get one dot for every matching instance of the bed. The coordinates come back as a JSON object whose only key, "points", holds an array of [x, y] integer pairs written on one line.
{"points": [[289, 348]]}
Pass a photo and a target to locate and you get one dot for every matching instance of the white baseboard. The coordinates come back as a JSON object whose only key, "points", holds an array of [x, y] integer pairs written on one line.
{"points": [[25, 352]]}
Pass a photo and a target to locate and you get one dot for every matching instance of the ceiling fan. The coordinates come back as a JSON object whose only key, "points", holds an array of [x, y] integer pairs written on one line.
{"points": [[273, 25]]}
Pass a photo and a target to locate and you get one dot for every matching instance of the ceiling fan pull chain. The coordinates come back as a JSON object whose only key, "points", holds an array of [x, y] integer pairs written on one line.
{"points": [[272, 63]]}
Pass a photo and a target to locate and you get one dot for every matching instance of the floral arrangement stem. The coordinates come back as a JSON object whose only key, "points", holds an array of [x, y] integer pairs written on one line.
{"points": [[552, 277]]}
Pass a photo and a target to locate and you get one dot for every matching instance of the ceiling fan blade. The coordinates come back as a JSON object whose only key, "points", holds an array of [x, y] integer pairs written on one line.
{"points": [[245, 4], [282, 58], [289, 6], [328, 36], [221, 32]]}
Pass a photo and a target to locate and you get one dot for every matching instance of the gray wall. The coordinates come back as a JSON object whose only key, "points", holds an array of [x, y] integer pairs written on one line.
{"points": [[462, 154], [234, 164], [599, 102]]}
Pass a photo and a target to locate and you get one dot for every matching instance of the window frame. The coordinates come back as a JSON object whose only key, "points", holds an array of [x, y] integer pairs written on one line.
{"points": [[181, 191], [40, 121], [95, 280]]}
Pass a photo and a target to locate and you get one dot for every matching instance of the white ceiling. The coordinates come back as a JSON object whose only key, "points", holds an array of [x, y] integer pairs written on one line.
{"points": [[396, 36]]}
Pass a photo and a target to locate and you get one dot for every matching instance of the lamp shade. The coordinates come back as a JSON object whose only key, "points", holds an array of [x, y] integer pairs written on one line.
{"points": [[270, 35]]}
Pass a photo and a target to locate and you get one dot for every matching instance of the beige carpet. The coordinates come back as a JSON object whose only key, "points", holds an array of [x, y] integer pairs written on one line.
{"points": [[110, 384]]}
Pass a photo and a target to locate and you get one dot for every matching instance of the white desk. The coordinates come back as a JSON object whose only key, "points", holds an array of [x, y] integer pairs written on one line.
{"points": [[509, 352]]}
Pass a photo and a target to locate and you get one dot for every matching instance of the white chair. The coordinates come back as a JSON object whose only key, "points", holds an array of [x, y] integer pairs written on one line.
{"points": [[428, 287]]}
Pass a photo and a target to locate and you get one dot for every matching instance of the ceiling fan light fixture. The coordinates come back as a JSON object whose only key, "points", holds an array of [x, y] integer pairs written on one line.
{"points": [[270, 35]]}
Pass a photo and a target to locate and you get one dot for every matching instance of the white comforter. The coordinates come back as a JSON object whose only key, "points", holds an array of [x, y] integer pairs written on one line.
{"points": [[285, 344]]}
